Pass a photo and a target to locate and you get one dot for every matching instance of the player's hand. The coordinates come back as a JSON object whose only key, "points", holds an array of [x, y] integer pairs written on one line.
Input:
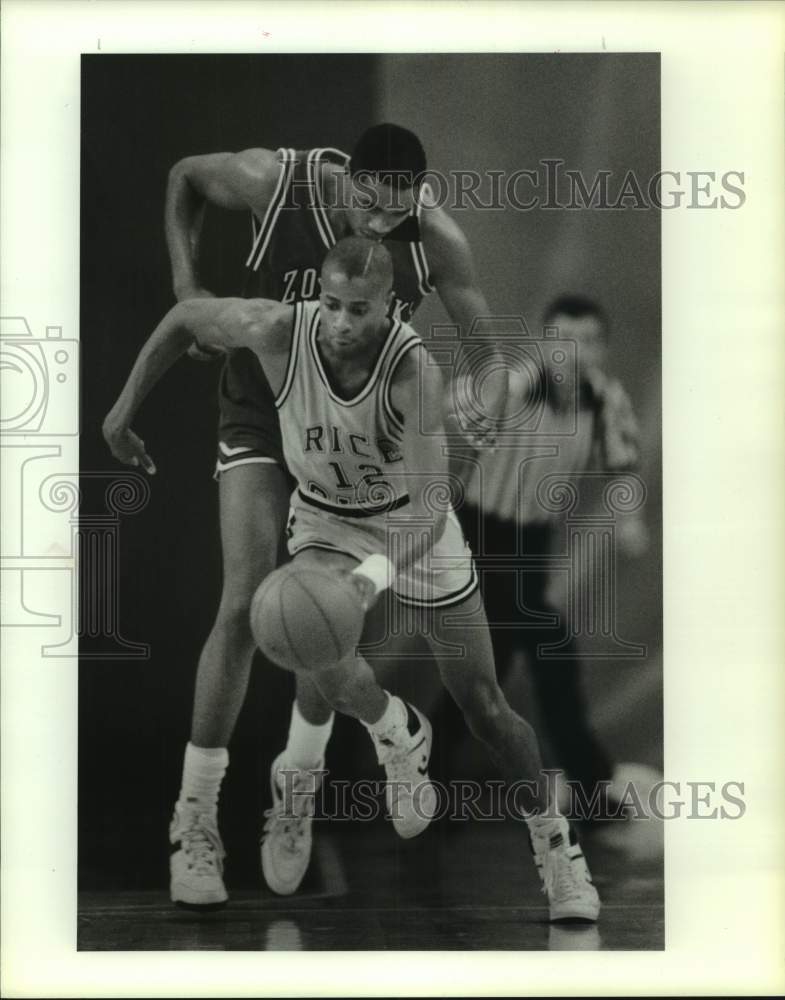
{"points": [[480, 408], [126, 446], [620, 431], [598, 381], [362, 586]]}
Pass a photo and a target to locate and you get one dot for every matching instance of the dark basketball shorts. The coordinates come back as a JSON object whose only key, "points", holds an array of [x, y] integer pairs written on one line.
{"points": [[248, 428]]}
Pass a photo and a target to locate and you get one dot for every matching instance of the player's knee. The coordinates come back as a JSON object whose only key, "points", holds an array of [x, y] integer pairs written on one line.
{"points": [[483, 706], [234, 613], [332, 688]]}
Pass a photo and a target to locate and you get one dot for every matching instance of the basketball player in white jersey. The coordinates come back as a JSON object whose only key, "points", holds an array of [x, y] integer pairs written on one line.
{"points": [[300, 203], [361, 419]]}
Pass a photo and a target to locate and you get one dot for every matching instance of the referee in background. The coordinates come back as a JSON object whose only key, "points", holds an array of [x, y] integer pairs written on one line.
{"points": [[501, 516]]}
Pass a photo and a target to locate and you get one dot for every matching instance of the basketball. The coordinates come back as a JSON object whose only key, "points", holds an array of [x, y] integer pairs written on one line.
{"points": [[304, 618]]}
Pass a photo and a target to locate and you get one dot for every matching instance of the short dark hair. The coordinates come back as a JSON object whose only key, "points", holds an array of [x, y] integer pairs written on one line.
{"points": [[576, 307], [390, 153], [359, 257]]}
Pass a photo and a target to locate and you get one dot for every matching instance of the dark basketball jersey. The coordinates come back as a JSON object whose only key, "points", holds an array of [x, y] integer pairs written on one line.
{"points": [[288, 247], [291, 241]]}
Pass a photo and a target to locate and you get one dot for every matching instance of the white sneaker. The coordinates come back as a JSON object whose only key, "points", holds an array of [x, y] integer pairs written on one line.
{"points": [[287, 838], [404, 752], [565, 875], [196, 861]]}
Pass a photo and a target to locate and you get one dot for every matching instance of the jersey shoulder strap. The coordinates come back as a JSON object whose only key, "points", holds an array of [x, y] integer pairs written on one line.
{"points": [[306, 315], [410, 231], [405, 339], [315, 159], [262, 229]]}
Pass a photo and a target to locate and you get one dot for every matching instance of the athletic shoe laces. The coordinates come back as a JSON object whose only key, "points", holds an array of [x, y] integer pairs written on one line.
{"points": [[201, 845], [289, 825], [395, 757], [560, 877]]}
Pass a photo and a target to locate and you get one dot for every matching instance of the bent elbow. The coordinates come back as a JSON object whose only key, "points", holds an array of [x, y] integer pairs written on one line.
{"points": [[179, 171], [180, 182], [176, 178], [184, 319]]}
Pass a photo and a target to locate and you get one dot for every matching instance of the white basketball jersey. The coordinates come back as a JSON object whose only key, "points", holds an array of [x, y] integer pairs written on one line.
{"points": [[344, 453]]}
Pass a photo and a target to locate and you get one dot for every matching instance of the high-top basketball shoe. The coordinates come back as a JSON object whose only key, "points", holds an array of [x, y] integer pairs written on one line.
{"points": [[404, 752], [196, 861], [565, 875], [287, 837]]}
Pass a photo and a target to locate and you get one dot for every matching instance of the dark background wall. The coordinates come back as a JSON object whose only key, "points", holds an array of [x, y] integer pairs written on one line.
{"points": [[142, 113]]}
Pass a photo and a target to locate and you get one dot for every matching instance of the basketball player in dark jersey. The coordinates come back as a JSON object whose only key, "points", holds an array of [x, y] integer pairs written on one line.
{"points": [[301, 204]]}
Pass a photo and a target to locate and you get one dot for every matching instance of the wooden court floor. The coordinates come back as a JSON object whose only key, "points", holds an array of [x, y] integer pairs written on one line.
{"points": [[460, 886]]}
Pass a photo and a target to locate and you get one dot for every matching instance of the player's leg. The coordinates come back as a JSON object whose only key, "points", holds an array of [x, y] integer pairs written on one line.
{"points": [[512, 744], [253, 502], [350, 686], [400, 733], [499, 595], [443, 591], [297, 772], [470, 678]]}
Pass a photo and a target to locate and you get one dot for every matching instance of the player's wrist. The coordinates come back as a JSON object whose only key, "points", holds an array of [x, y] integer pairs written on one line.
{"points": [[187, 288], [117, 420], [379, 570]]}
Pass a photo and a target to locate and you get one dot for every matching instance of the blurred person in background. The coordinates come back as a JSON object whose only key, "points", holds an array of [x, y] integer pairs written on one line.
{"points": [[589, 417]]}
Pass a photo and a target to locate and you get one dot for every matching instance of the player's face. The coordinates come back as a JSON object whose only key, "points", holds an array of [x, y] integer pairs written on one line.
{"points": [[353, 312], [376, 209], [587, 332]]}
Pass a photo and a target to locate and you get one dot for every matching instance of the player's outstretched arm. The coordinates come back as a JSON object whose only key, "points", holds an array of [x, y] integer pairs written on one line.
{"points": [[245, 180], [455, 278], [219, 324]]}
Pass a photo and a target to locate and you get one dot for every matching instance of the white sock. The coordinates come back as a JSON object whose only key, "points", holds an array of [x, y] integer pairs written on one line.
{"points": [[394, 715], [203, 771], [306, 743]]}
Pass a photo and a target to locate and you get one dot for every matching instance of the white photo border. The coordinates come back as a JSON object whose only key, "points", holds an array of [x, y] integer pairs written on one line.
{"points": [[723, 378]]}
